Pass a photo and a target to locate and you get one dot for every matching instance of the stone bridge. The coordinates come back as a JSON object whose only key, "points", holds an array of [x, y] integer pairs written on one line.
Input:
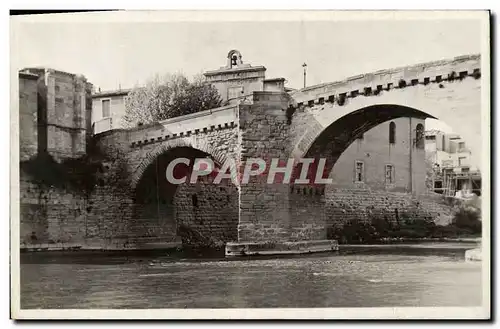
{"points": [[318, 121]]}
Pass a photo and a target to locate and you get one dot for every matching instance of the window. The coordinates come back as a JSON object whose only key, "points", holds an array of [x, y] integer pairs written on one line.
{"points": [[462, 161], [461, 146], [392, 133], [389, 174], [359, 172], [419, 140], [105, 108], [465, 169], [234, 92]]}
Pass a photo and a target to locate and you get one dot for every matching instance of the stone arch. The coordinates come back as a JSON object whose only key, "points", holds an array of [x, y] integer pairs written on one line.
{"points": [[217, 155], [329, 138], [196, 214], [333, 140], [347, 128], [449, 90]]}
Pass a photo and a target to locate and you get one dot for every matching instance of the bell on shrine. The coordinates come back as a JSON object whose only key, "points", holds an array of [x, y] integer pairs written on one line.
{"points": [[234, 60]]}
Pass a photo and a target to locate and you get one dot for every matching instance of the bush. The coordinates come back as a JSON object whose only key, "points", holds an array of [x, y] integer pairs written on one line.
{"points": [[407, 226], [468, 219]]}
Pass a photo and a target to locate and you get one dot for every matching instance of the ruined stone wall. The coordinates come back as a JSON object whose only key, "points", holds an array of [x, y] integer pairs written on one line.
{"points": [[28, 118], [66, 115], [64, 109]]}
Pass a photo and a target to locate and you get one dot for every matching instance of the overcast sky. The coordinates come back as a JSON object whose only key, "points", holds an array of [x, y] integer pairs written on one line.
{"points": [[117, 53]]}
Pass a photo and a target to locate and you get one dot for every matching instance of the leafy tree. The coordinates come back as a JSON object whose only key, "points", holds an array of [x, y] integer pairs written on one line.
{"points": [[169, 96], [430, 170]]}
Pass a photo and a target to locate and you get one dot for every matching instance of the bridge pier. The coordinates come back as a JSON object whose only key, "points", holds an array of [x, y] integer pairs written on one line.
{"points": [[277, 218]]}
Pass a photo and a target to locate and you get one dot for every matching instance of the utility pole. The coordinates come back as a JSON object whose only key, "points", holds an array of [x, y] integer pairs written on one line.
{"points": [[304, 66]]}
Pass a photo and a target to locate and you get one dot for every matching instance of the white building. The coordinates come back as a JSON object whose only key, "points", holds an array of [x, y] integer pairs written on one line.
{"points": [[452, 163]]}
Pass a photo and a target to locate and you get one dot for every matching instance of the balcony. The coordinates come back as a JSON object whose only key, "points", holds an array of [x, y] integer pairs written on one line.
{"points": [[452, 175], [102, 125]]}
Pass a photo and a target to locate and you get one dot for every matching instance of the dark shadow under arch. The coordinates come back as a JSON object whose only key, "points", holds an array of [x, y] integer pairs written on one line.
{"points": [[346, 129], [159, 210]]}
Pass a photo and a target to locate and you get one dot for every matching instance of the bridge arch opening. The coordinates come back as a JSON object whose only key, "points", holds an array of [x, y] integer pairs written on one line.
{"points": [[201, 214], [400, 145], [345, 130], [373, 178], [336, 138]]}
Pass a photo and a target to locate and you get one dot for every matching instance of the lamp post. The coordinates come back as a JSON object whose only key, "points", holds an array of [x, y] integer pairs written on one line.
{"points": [[304, 66]]}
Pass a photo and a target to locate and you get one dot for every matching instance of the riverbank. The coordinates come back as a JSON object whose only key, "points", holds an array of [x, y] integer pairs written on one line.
{"points": [[73, 248], [82, 256]]}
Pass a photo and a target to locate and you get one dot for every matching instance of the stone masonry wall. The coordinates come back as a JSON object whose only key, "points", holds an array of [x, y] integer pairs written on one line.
{"points": [[64, 108], [209, 211], [347, 205], [307, 213], [66, 115], [68, 216], [50, 215], [28, 119], [264, 208]]}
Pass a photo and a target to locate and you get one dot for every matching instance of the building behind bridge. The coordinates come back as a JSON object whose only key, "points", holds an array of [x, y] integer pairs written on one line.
{"points": [[452, 166]]}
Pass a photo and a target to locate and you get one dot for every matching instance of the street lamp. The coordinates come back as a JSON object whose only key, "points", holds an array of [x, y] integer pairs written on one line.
{"points": [[304, 66]]}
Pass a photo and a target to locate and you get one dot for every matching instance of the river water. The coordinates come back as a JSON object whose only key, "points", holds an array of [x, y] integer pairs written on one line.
{"points": [[358, 277]]}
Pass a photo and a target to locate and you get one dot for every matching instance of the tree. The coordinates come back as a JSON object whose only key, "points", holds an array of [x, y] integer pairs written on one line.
{"points": [[430, 170], [169, 96]]}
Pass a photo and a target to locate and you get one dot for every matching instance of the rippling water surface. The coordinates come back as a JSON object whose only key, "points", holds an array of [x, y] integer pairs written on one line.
{"points": [[391, 277]]}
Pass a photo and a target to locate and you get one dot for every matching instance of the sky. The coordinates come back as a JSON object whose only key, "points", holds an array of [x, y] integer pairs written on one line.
{"points": [[126, 52]]}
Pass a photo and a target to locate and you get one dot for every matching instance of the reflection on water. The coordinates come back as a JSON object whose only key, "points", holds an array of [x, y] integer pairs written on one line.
{"points": [[392, 277]]}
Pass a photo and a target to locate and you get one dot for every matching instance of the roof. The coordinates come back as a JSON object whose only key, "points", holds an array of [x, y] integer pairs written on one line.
{"points": [[41, 70], [30, 76], [433, 132], [224, 70], [274, 79], [109, 93]]}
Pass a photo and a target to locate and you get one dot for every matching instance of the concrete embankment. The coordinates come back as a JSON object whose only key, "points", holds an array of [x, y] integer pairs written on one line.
{"points": [[472, 255]]}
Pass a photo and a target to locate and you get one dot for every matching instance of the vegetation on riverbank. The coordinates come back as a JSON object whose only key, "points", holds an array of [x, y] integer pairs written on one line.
{"points": [[466, 223]]}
